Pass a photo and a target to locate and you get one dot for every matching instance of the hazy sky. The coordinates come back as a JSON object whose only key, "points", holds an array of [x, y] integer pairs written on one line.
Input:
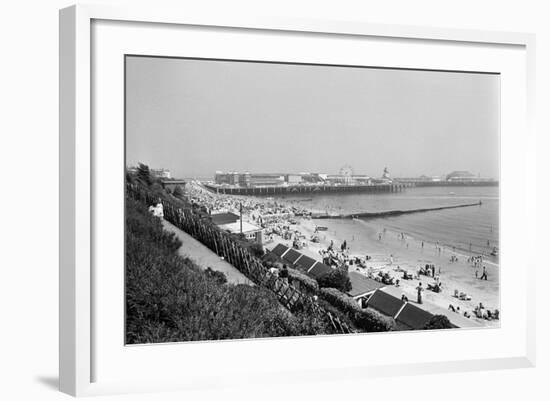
{"points": [[196, 116]]}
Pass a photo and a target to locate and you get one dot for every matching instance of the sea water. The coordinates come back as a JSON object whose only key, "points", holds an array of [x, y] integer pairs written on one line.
{"points": [[468, 230]]}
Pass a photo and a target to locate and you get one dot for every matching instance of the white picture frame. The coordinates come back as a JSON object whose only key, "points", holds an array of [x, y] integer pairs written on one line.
{"points": [[78, 152]]}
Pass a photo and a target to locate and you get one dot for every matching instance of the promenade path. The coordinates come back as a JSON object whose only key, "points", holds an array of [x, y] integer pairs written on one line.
{"points": [[204, 257]]}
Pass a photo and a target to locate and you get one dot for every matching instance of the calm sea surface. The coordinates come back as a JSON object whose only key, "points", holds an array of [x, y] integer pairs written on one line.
{"points": [[474, 228]]}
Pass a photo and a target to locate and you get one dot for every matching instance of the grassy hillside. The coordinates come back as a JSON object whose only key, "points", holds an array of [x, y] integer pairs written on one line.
{"points": [[168, 298]]}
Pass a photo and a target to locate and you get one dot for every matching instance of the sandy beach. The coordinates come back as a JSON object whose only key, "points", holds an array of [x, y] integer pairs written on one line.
{"points": [[407, 254]]}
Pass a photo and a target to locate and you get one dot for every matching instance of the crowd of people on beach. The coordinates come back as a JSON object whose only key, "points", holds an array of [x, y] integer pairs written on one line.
{"points": [[477, 262], [333, 256], [275, 217], [479, 312], [258, 209]]}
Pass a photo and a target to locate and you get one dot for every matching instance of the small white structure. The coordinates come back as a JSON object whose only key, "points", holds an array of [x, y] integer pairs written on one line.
{"points": [[161, 173], [158, 210], [250, 231]]}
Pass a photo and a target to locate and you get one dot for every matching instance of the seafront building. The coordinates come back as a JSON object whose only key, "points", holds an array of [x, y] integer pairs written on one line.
{"points": [[249, 180], [455, 178], [252, 184], [464, 176], [236, 183], [231, 223], [161, 173]]}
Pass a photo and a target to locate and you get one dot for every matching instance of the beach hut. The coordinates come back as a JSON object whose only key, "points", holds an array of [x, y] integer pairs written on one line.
{"points": [[280, 250], [318, 270], [292, 256], [385, 303], [362, 287], [411, 317], [305, 263]]}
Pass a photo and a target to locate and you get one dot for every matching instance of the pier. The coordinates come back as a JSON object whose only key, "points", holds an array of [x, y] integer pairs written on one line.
{"points": [[481, 183], [302, 189]]}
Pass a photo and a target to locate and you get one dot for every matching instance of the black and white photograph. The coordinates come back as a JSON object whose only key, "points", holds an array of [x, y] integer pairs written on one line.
{"points": [[276, 200], [270, 199]]}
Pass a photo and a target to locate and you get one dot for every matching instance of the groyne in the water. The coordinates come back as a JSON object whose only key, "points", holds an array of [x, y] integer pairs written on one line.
{"points": [[390, 213]]}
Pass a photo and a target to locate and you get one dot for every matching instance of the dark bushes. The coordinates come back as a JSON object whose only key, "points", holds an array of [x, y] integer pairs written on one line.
{"points": [[438, 322], [178, 192], [306, 282], [337, 278], [300, 280], [216, 275], [334, 300]]}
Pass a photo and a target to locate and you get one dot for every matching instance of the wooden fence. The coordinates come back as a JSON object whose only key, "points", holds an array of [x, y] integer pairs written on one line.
{"points": [[224, 246]]}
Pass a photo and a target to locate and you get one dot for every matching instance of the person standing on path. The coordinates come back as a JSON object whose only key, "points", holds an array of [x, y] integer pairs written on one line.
{"points": [[484, 274], [419, 290]]}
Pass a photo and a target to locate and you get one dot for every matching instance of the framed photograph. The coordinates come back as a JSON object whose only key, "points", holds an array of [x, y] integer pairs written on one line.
{"points": [[292, 199]]}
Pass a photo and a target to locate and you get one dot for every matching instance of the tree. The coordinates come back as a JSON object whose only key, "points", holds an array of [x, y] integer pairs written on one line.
{"points": [[438, 322], [157, 189], [178, 192], [129, 178], [337, 278], [144, 174]]}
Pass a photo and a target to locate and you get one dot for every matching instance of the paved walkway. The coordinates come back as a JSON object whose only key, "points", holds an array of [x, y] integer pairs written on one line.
{"points": [[204, 257]]}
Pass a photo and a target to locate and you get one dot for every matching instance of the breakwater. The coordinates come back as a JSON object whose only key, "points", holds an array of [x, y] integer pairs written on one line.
{"points": [[391, 213]]}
